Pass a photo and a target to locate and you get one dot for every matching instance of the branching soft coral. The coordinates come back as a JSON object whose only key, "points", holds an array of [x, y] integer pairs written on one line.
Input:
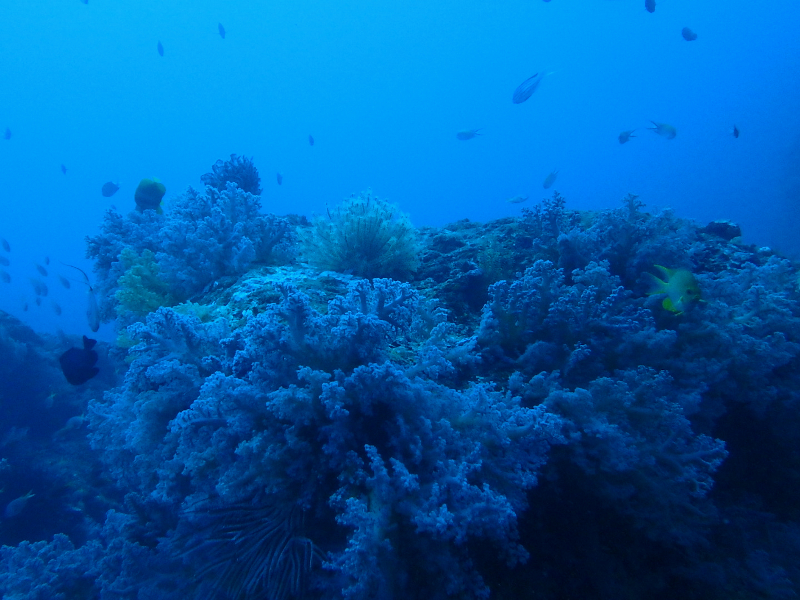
{"points": [[239, 170], [202, 237]]}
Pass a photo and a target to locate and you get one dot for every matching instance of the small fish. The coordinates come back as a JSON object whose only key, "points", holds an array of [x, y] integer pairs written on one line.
{"points": [[626, 136], [735, 131], [664, 130], [39, 287], [56, 308], [7, 134], [221, 30], [64, 169], [650, 5], [41, 269], [85, 1], [550, 179], [310, 140], [688, 34], [526, 88], [78, 364], [17, 506], [109, 189], [64, 281], [24, 306], [160, 49], [279, 177], [38, 301], [679, 285], [4, 261], [5, 277], [5, 244], [47, 260], [517, 199], [467, 134]]}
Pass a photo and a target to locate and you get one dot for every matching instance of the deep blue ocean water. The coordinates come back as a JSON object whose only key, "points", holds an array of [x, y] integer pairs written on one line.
{"points": [[383, 88]]}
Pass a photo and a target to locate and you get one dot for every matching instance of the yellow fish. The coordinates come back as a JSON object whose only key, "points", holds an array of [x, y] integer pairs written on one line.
{"points": [[679, 285]]}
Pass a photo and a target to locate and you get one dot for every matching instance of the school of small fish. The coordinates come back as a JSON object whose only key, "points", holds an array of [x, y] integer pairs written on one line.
{"points": [[527, 88]]}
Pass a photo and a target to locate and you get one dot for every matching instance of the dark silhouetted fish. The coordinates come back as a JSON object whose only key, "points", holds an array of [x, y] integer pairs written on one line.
{"points": [[550, 179], [64, 281], [221, 30], [688, 34], [467, 134], [160, 49], [279, 177], [56, 308], [64, 169], [626, 136], [310, 140], [526, 88], [4, 261], [5, 244], [47, 261], [735, 131], [650, 5], [517, 199], [41, 269], [5, 277], [78, 364], [109, 189], [7, 134]]}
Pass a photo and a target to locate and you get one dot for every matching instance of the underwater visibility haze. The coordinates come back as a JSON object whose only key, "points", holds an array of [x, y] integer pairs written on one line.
{"points": [[445, 300]]}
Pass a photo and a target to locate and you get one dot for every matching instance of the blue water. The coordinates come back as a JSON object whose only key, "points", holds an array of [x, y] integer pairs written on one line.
{"points": [[383, 89]]}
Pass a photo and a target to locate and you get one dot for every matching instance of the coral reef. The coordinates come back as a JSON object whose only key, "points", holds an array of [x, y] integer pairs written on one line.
{"points": [[520, 419]]}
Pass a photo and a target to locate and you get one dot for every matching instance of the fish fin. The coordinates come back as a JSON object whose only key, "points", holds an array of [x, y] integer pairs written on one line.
{"points": [[668, 305], [658, 286], [665, 270]]}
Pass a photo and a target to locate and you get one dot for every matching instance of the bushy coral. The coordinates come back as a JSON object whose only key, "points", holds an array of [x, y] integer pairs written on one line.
{"points": [[210, 417], [239, 170], [202, 238], [364, 235]]}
